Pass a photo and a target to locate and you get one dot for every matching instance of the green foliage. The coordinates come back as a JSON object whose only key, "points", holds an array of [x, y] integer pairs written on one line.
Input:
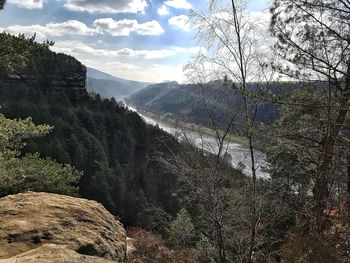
{"points": [[19, 54], [206, 251], [308, 157], [30, 172], [308, 33], [2, 4], [154, 219], [112, 146], [13, 132], [181, 230]]}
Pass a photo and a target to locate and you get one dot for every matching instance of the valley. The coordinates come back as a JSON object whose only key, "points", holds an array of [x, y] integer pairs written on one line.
{"points": [[236, 149], [164, 104]]}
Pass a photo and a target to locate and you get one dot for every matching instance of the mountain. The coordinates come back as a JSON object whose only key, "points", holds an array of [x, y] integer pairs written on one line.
{"points": [[109, 86], [152, 95], [192, 103]]}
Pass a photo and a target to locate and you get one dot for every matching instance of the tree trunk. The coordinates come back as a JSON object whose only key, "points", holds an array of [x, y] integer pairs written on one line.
{"points": [[253, 223], [348, 192], [320, 191]]}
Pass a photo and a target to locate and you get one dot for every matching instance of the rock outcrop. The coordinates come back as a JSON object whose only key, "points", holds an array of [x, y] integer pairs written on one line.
{"points": [[71, 84], [54, 254], [30, 220]]}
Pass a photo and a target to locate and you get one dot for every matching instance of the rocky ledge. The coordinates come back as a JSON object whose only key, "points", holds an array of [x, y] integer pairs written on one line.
{"points": [[74, 227], [53, 254], [73, 84]]}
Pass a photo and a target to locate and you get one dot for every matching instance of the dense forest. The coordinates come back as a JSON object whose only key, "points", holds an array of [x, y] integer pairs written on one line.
{"points": [[112, 146]]}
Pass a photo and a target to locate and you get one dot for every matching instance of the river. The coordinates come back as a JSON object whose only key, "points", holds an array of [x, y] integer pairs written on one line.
{"points": [[238, 154]]}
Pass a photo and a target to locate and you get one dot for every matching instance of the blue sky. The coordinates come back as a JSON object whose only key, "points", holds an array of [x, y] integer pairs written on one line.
{"points": [[145, 40]]}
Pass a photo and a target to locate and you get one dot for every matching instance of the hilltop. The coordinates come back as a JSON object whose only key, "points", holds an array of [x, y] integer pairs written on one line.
{"points": [[109, 86]]}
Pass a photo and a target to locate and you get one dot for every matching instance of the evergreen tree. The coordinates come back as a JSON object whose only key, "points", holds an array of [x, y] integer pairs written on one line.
{"points": [[113, 146], [30, 172], [76, 153], [181, 229], [313, 38], [2, 4]]}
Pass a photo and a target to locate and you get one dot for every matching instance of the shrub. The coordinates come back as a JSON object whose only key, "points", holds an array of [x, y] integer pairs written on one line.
{"points": [[150, 248]]}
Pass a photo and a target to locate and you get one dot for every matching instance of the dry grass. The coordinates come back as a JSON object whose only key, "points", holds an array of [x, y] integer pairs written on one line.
{"points": [[150, 248]]}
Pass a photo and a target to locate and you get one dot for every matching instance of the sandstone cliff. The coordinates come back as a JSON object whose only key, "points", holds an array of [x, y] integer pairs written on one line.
{"points": [[53, 254], [30, 220], [27, 65], [72, 84]]}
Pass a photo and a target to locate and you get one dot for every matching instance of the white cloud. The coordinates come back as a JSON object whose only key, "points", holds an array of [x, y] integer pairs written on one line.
{"points": [[153, 73], [126, 26], [29, 4], [112, 66], [75, 27], [122, 66], [106, 6], [162, 72], [147, 54], [163, 10], [70, 27], [180, 21], [77, 48], [116, 62], [179, 4]]}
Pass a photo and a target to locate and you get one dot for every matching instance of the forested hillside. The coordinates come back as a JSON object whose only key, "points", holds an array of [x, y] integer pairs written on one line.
{"points": [[200, 104], [109, 86], [112, 146]]}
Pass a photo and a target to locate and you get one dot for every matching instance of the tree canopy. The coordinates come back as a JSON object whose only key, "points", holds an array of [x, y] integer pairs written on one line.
{"points": [[29, 172]]}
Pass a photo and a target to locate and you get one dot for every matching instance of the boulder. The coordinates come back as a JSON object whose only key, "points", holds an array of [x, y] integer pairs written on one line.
{"points": [[53, 254], [30, 220]]}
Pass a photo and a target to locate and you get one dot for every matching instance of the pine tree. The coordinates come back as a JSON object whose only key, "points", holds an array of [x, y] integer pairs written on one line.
{"points": [[30, 172], [182, 229], [2, 4], [313, 41]]}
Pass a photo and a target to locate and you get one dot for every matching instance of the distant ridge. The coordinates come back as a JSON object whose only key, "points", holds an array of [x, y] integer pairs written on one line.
{"points": [[109, 86], [185, 102]]}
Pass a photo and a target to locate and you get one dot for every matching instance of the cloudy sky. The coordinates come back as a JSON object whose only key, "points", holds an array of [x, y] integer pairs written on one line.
{"points": [[145, 40]]}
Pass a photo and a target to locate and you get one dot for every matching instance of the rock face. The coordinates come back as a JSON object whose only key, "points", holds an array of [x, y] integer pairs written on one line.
{"points": [[31, 220], [72, 84], [53, 254]]}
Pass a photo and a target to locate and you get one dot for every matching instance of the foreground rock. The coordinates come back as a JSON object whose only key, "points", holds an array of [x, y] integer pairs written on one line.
{"points": [[30, 220], [53, 254]]}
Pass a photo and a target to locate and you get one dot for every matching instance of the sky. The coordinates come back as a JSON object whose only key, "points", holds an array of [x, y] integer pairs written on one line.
{"points": [[144, 40]]}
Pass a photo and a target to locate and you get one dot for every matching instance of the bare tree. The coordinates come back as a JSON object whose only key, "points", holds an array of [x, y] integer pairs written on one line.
{"points": [[237, 56], [210, 191]]}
